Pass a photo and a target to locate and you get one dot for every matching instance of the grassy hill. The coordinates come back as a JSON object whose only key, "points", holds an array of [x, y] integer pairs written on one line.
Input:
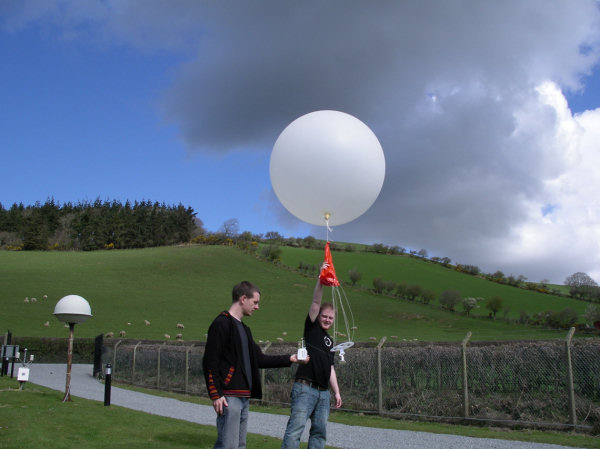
{"points": [[435, 277], [192, 284]]}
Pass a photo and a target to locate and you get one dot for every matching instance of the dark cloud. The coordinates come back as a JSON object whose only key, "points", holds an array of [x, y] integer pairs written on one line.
{"points": [[450, 88]]}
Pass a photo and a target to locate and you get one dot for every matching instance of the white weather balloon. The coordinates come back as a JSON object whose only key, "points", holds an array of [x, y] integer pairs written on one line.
{"points": [[327, 164]]}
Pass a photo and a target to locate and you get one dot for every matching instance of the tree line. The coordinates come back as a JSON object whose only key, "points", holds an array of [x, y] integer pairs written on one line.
{"points": [[99, 225]]}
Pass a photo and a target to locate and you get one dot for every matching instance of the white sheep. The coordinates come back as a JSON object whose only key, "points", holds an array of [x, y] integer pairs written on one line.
{"points": [[180, 326], [110, 335], [179, 336], [147, 323], [26, 299], [122, 333], [279, 339], [33, 300], [47, 324], [167, 336], [45, 297]]}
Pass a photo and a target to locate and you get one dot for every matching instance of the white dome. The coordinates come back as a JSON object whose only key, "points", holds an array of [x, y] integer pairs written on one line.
{"points": [[72, 309]]}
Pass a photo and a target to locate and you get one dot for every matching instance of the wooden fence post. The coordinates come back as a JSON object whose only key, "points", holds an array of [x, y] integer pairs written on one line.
{"points": [[572, 410], [187, 366], [133, 361], [262, 374], [114, 364], [158, 366], [464, 375], [379, 376]]}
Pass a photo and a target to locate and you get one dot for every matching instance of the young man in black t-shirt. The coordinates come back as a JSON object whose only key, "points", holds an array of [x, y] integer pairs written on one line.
{"points": [[310, 393]]}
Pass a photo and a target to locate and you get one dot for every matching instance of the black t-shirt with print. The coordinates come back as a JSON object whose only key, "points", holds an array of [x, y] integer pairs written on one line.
{"points": [[318, 345]]}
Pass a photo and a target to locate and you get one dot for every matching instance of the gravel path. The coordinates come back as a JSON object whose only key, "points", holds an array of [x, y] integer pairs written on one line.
{"points": [[84, 385]]}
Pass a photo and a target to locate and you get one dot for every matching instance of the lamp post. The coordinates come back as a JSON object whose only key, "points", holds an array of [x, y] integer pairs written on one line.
{"points": [[72, 309]]}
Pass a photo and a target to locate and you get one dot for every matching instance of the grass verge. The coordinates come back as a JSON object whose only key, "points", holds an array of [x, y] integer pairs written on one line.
{"points": [[562, 438], [36, 417]]}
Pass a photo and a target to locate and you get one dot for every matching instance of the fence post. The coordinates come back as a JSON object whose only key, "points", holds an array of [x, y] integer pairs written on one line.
{"points": [[158, 366], [379, 377], [464, 375], [114, 364], [572, 410], [262, 374], [133, 361], [187, 366]]}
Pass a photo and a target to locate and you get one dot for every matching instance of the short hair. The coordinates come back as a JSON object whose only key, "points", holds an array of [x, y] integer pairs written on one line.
{"points": [[327, 305], [244, 288]]}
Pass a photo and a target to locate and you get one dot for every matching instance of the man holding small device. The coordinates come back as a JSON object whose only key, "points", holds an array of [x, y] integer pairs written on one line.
{"points": [[310, 394]]}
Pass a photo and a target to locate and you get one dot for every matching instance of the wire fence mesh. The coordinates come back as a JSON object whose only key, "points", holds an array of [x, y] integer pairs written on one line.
{"points": [[550, 382]]}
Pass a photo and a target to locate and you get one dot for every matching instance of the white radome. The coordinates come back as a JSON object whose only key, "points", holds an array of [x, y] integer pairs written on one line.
{"points": [[72, 309]]}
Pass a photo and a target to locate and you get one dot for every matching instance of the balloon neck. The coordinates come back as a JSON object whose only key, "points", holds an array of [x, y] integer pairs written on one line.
{"points": [[327, 215]]}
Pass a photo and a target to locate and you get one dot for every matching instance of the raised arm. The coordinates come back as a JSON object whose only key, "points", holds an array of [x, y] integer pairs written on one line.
{"points": [[315, 306]]}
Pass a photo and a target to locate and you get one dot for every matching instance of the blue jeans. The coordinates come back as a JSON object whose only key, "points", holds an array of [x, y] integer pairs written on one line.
{"points": [[307, 402], [232, 424]]}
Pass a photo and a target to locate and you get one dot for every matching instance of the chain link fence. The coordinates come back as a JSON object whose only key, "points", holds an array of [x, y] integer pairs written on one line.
{"points": [[552, 383]]}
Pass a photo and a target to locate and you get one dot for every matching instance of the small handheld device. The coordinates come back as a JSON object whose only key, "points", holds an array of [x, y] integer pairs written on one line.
{"points": [[302, 350]]}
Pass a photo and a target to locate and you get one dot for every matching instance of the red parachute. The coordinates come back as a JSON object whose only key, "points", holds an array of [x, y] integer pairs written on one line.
{"points": [[327, 275]]}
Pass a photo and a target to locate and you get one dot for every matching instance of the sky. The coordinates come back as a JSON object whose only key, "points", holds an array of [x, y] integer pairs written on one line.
{"points": [[488, 114]]}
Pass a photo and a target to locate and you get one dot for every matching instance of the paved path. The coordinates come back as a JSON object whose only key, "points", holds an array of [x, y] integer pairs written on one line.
{"points": [[84, 385]]}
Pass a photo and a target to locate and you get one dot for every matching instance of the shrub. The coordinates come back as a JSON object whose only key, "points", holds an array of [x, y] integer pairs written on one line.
{"points": [[494, 305], [378, 285], [449, 299], [355, 275], [272, 253]]}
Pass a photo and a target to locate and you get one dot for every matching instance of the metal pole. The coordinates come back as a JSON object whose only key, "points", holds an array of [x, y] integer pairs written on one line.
{"points": [[379, 376], [107, 382], [572, 408], [67, 397], [465, 377]]}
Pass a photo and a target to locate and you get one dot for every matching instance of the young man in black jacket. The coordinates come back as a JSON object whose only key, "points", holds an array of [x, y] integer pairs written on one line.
{"points": [[231, 363]]}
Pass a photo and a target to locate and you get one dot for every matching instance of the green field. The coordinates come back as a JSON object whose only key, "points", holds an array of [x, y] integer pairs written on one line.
{"points": [[192, 284]]}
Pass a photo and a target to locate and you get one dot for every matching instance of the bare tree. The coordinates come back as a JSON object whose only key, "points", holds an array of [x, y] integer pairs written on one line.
{"points": [[581, 285], [231, 228]]}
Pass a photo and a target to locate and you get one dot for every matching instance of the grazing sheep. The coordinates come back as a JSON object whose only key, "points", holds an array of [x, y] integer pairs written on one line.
{"points": [[122, 333], [110, 335], [47, 324], [45, 297], [33, 300], [372, 338], [147, 323], [354, 328], [179, 336], [26, 299], [167, 336], [394, 336], [279, 339], [180, 326], [284, 333], [128, 324]]}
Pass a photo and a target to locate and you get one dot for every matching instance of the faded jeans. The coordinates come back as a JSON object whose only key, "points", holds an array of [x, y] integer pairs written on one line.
{"points": [[307, 402], [232, 424]]}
